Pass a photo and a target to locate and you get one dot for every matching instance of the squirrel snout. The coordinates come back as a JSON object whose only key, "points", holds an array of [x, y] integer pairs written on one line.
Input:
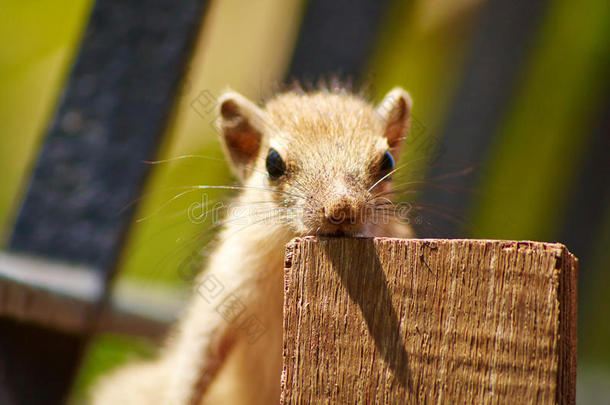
{"points": [[340, 211]]}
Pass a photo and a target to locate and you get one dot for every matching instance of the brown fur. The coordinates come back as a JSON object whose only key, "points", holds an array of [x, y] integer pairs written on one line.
{"points": [[332, 146]]}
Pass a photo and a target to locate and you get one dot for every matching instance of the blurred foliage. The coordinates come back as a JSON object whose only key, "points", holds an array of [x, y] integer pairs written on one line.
{"points": [[39, 41]]}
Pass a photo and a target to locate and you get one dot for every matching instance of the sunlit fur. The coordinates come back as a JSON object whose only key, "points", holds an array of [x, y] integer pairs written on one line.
{"points": [[332, 145]]}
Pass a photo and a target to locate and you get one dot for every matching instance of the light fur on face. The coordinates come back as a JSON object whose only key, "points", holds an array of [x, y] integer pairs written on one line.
{"points": [[332, 146]]}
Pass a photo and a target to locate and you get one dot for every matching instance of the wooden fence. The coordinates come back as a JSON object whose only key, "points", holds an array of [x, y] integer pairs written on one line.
{"points": [[429, 321]]}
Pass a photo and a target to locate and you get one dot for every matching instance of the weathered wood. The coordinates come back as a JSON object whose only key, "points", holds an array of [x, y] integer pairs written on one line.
{"points": [[431, 321]]}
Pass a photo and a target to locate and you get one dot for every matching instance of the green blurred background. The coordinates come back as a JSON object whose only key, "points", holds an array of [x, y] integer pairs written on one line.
{"points": [[539, 154]]}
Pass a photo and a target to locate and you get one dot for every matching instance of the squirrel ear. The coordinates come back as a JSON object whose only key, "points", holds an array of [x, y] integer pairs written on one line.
{"points": [[240, 122], [395, 110]]}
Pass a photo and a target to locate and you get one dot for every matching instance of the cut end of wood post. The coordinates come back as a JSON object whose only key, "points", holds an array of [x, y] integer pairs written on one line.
{"points": [[428, 320]]}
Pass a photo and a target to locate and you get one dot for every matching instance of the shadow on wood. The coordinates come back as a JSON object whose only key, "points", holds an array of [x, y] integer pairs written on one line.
{"points": [[370, 291], [444, 321]]}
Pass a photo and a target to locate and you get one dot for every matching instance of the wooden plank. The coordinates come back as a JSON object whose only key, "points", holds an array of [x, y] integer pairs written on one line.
{"points": [[431, 321], [113, 111]]}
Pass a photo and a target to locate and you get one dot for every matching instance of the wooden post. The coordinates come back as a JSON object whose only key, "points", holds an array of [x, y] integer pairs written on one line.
{"points": [[428, 321]]}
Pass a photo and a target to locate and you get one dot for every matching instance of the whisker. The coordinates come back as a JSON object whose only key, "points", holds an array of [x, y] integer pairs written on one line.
{"points": [[209, 232], [463, 172], [190, 156], [385, 202], [440, 214], [190, 189], [390, 192], [138, 220], [259, 221], [230, 220], [386, 176], [181, 157]]}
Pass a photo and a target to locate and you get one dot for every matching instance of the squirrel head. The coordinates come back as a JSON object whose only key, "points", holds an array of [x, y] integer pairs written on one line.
{"points": [[323, 159]]}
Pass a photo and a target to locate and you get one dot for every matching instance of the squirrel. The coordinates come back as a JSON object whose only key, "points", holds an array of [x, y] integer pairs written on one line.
{"points": [[311, 163]]}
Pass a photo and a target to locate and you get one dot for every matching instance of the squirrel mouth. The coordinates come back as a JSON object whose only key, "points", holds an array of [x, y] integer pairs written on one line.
{"points": [[346, 229], [339, 232], [336, 234]]}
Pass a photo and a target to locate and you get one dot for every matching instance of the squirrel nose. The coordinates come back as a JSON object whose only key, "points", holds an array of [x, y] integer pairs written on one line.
{"points": [[340, 211]]}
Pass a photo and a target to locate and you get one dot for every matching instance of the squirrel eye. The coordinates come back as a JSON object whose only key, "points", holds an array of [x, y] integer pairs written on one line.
{"points": [[274, 164], [387, 163]]}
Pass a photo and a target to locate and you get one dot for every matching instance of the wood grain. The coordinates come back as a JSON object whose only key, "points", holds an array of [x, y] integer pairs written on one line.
{"points": [[433, 321]]}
